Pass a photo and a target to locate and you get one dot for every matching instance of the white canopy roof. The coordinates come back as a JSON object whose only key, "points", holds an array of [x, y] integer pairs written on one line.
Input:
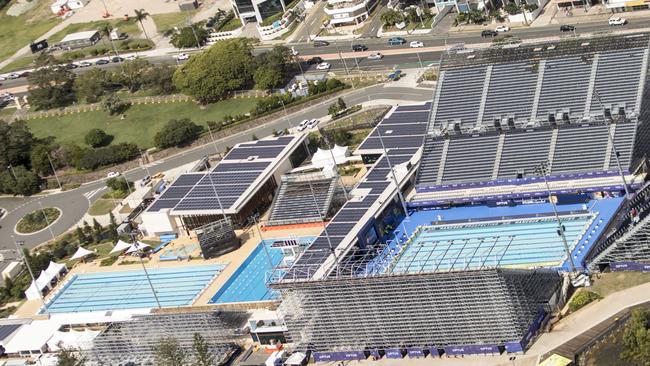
{"points": [[295, 359], [120, 246], [80, 253], [53, 269], [32, 337], [323, 158], [78, 340], [43, 280], [138, 245]]}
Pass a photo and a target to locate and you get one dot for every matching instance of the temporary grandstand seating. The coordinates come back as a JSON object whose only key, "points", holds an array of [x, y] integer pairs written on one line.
{"points": [[294, 202], [460, 96], [564, 87], [430, 161], [617, 80], [504, 100], [523, 151], [470, 159], [580, 149]]}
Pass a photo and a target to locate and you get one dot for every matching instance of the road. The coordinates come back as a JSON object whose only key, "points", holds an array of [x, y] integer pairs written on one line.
{"points": [[75, 203]]}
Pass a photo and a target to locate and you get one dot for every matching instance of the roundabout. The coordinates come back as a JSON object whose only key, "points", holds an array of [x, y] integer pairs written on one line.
{"points": [[37, 221]]}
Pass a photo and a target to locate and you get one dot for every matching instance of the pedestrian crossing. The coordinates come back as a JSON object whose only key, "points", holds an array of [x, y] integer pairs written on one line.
{"points": [[92, 193]]}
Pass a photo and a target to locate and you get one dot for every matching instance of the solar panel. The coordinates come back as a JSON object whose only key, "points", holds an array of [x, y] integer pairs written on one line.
{"points": [[349, 215], [208, 191], [204, 203], [411, 117], [162, 204], [259, 152], [340, 228], [187, 180], [406, 108], [223, 167], [406, 129], [175, 192], [392, 142], [276, 142], [377, 187]]}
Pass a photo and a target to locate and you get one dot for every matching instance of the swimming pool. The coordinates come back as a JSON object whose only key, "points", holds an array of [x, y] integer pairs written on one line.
{"points": [[130, 289], [248, 282]]}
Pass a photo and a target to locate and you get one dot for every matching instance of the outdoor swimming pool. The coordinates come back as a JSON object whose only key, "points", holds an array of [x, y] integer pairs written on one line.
{"points": [[131, 290], [248, 283]]}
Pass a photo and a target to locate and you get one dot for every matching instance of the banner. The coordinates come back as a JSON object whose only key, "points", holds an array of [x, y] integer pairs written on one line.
{"points": [[393, 353], [415, 352], [629, 266]]}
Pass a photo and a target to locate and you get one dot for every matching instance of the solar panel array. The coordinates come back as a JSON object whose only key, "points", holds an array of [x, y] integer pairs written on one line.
{"points": [[403, 121], [226, 182], [534, 86]]}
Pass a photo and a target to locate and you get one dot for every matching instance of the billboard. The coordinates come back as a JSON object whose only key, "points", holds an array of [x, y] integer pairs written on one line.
{"points": [[629, 266]]}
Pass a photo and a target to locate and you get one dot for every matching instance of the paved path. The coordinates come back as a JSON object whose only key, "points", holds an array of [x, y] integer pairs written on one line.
{"points": [[75, 203]]}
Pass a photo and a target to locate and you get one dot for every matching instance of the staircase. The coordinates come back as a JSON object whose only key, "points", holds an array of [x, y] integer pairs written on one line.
{"points": [[551, 150], [486, 86], [592, 84], [538, 88], [642, 77], [443, 160], [436, 100], [609, 151], [497, 160]]}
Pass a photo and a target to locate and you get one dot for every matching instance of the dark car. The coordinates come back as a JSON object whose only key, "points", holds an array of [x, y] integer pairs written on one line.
{"points": [[102, 62], [318, 43], [567, 28], [396, 41], [71, 66], [314, 60], [359, 47], [489, 33], [117, 59]]}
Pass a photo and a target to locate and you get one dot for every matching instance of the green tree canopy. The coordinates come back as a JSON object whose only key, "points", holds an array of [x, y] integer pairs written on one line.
{"points": [[266, 77], [272, 67], [159, 79], [636, 338], [91, 85], [97, 138], [16, 142], [114, 105], [50, 86], [177, 132], [187, 37], [224, 67], [69, 357], [169, 353], [24, 183], [41, 162], [391, 17], [202, 352]]}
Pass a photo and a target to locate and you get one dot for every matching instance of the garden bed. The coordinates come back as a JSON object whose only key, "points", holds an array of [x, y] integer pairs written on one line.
{"points": [[37, 220]]}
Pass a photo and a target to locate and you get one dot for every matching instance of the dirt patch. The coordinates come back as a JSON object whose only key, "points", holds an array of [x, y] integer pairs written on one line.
{"points": [[21, 7]]}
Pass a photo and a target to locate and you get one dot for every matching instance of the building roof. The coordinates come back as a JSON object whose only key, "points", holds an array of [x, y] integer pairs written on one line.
{"points": [[79, 36], [32, 337], [235, 179], [6, 330]]}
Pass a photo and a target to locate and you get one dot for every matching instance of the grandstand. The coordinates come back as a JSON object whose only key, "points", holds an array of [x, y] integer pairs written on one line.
{"points": [[303, 198], [479, 225]]}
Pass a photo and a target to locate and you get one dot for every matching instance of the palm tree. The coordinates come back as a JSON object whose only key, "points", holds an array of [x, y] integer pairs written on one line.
{"points": [[141, 15], [105, 31]]}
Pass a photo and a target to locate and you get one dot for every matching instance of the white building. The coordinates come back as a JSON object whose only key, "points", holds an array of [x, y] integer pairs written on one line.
{"points": [[66, 5], [348, 12], [257, 10]]}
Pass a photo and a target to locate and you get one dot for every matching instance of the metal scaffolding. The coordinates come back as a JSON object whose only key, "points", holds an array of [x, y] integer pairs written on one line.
{"points": [[135, 340]]}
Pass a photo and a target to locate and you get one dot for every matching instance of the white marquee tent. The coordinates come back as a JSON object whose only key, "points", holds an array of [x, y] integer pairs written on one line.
{"points": [[120, 246], [81, 253], [45, 279]]}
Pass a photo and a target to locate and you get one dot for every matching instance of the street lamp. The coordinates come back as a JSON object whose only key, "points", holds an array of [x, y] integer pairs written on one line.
{"points": [[392, 171], [31, 274], [136, 244], [53, 170], [46, 220], [542, 170]]}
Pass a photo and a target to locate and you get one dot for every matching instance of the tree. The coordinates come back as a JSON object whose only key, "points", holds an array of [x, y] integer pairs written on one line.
{"points": [[97, 138], [512, 8], [333, 110], [132, 74], [581, 299], [69, 357], [266, 78], [159, 79], [202, 351], [141, 15], [169, 353], [91, 85], [50, 86], [211, 75], [188, 37], [117, 184], [16, 142], [391, 17], [636, 338], [106, 30], [114, 105], [177, 132], [341, 104], [40, 160], [25, 182]]}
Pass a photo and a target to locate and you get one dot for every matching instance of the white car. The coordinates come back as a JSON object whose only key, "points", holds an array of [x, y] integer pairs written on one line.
{"points": [[112, 174], [131, 57], [85, 64], [312, 123], [617, 21], [502, 29], [183, 56], [13, 75], [323, 66], [416, 44], [303, 125], [376, 56]]}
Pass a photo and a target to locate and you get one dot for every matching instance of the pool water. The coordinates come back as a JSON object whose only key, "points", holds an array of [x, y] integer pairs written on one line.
{"points": [[131, 290]]}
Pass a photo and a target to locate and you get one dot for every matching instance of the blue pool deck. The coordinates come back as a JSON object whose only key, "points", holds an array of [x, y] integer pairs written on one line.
{"points": [[103, 291], [248, 282], [475, 236]]}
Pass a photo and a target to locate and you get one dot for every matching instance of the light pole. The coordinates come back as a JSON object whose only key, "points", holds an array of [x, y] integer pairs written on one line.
{"points": [[341, 58], [145, 165], [216, 149], [146, 274], [54, 170], [46, 220], [214, 189], [331, 148], [542, 170], [611, 142], [327, 235], [128, 186], [266, 250], [11, 170], [31, 274], [392, 171]]}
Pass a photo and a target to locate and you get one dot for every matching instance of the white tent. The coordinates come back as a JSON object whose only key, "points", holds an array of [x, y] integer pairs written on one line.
{"points": [[44, 280], [120, 246], [323, 158], [80, 253], [137, 246], [80, 340]]}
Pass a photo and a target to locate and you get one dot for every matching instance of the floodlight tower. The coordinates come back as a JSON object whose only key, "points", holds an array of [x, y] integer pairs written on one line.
{"points": [[392, 171], [327, 235], [136, 245]]}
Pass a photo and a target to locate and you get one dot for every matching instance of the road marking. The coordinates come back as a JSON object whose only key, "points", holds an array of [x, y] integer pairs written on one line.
{"points": [[90, 194]]}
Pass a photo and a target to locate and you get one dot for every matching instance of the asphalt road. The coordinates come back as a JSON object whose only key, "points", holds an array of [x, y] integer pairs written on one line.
{"points": [[75, 203]]}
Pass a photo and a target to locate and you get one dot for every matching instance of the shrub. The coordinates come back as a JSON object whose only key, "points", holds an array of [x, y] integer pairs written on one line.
{"points": [[108, 261], [512, 8], [91, 159], [97, 138], [177, 132], [582, 298]]}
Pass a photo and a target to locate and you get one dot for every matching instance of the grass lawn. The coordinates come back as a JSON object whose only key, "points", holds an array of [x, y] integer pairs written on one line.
{"points": [[617, 281], [141, 123], [232, 24], [102, 207], [7, 112], [170, 20], [18, 32], [101, 249], [19, 64], [130, 27]]}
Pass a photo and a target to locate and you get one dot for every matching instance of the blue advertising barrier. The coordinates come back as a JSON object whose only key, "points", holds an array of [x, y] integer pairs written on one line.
{"points": [[629, 266], [512, 347], [415, 352], [473, 349], [339, 356], [393, 353], [374, 353]]}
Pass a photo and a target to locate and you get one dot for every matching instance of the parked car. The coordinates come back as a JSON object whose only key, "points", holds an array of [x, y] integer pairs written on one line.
{"points": [[2, 78], [13, 75], [567, 28], [145, 181], [182, 57], [312, 123], [303, 125], [416, 44], [85, 64], [376, 56], [102, 61], [319, 43], [131, 57], [314, 61], [488, 33], [71, 66], [359, 47], [502, 29], [112, 174], [117, 59], [323, 66], [396, 41], [395, 75], [617, 21]]}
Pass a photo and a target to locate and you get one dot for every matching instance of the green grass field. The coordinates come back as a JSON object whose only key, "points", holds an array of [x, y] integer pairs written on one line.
{"points": [[18, 32], [141, 123], [130, 27], [170, 20], [102, 207]]}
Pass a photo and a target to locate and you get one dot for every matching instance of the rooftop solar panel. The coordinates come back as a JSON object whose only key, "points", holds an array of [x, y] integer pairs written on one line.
{"points": [[204, 203], [373, 143], [187, 180], [340, 228], [406, 129], [406, 108], [224, 167], [411, 117], [349, 215], [162, 204], [175, 192], [259, 152], [275, 142]]}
